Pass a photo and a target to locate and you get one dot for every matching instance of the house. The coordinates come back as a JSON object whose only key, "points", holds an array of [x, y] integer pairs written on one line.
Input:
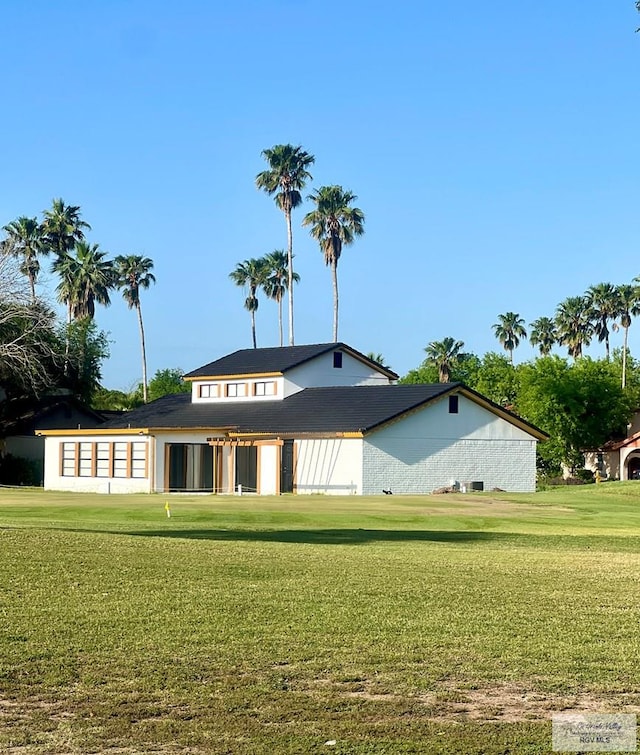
{"points": [[23, 420], [319, 418], [618, 459]]}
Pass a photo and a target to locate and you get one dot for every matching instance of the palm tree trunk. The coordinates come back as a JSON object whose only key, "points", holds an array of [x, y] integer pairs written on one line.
{"points": [[624, 358], [280, 318], [334, 275], [606, 343], [290, 273], [253, 328], [144, 354], [32, 285]]}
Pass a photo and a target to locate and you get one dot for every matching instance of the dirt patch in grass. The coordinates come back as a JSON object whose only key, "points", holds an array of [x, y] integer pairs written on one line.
{"points": [[506, 702]]}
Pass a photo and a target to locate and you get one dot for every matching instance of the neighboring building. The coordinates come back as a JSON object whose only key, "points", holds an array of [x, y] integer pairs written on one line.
{"points": [[23, 420], [618, 459], [300, 419]]}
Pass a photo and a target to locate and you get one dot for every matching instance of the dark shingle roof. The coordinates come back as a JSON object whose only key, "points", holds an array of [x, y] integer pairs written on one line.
{"points": [[276, 359], [313, 410]]}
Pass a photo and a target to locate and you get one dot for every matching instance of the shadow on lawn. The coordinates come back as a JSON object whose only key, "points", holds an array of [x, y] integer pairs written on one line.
{"points": [[328, 536]]}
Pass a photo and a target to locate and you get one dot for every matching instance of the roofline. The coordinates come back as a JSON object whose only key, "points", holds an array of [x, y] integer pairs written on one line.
{"points": [[233, 376], [136, 430], [477, 398], [328, 347]]}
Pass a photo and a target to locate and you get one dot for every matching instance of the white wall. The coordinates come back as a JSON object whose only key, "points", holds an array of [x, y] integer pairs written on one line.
{"points": [[54, 481], [329, 465], [430, 448], [269, 458], [320, 373]]}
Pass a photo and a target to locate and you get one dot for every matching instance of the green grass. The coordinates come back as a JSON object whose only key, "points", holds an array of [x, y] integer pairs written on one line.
{"points": [[443, 624]]}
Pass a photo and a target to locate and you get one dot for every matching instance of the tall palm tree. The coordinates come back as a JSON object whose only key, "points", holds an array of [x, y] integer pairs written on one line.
{"points": [[574, 324], [603, 301], [334, 224], [509, 330], [24, 240], [62, 227], [86, 278], [444, 355], [543, 335], [252, 274], [629, 303], [286, 177], [277, 280], [133, 272]]}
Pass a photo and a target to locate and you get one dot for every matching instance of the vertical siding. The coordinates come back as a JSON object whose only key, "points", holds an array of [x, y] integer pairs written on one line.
{"points": [[329, 465], [431, 448]]}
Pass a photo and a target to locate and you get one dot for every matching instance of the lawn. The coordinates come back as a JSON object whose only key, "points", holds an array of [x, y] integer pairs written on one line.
{"points": [[438, 624]]}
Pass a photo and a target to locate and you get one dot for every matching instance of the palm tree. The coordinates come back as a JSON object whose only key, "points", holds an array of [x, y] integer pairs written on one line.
{"points": [[603, 301], [286, 177], [62, 227], [24, 240], [133, 273], [378, 358], [334, 224], [86, 278], [277, 280], [251, 273], [543, 335], [629, 303], [574, 325], [444, 355], [509, 330]]}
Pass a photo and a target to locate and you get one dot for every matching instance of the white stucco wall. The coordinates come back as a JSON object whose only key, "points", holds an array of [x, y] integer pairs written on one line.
{"points": [[329, 465], [269, 470], [430, 448], [320, 373], [53, 480]]}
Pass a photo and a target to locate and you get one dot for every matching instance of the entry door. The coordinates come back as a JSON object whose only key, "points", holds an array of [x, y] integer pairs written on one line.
{"points": [[247, 468], [286, 467]]}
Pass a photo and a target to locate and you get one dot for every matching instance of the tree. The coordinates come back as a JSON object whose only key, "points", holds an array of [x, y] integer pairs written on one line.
{"points": [[604, 303], [88, 348], [286, 177], [378, 358], [543, 335], [497, 379], [24, 241], [580, 405], [509, 330], [574, 325], [444, 355], [251, 273], [166, 382], [629, 307], [133, 272], [334, 224], [62, 227], [277, 280], [86, 278]]}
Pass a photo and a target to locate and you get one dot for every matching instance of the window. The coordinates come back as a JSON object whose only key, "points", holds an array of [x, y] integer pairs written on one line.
{"points": [[236, 389], [104, 459], [337, 359], [453, 404], [208, 391], [139, 459], [264, 388], [85, 466], [68, 460], [120, 459]]}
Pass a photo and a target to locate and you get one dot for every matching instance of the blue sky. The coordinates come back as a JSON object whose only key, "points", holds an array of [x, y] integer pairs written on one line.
{"points": [[492, 146]]}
